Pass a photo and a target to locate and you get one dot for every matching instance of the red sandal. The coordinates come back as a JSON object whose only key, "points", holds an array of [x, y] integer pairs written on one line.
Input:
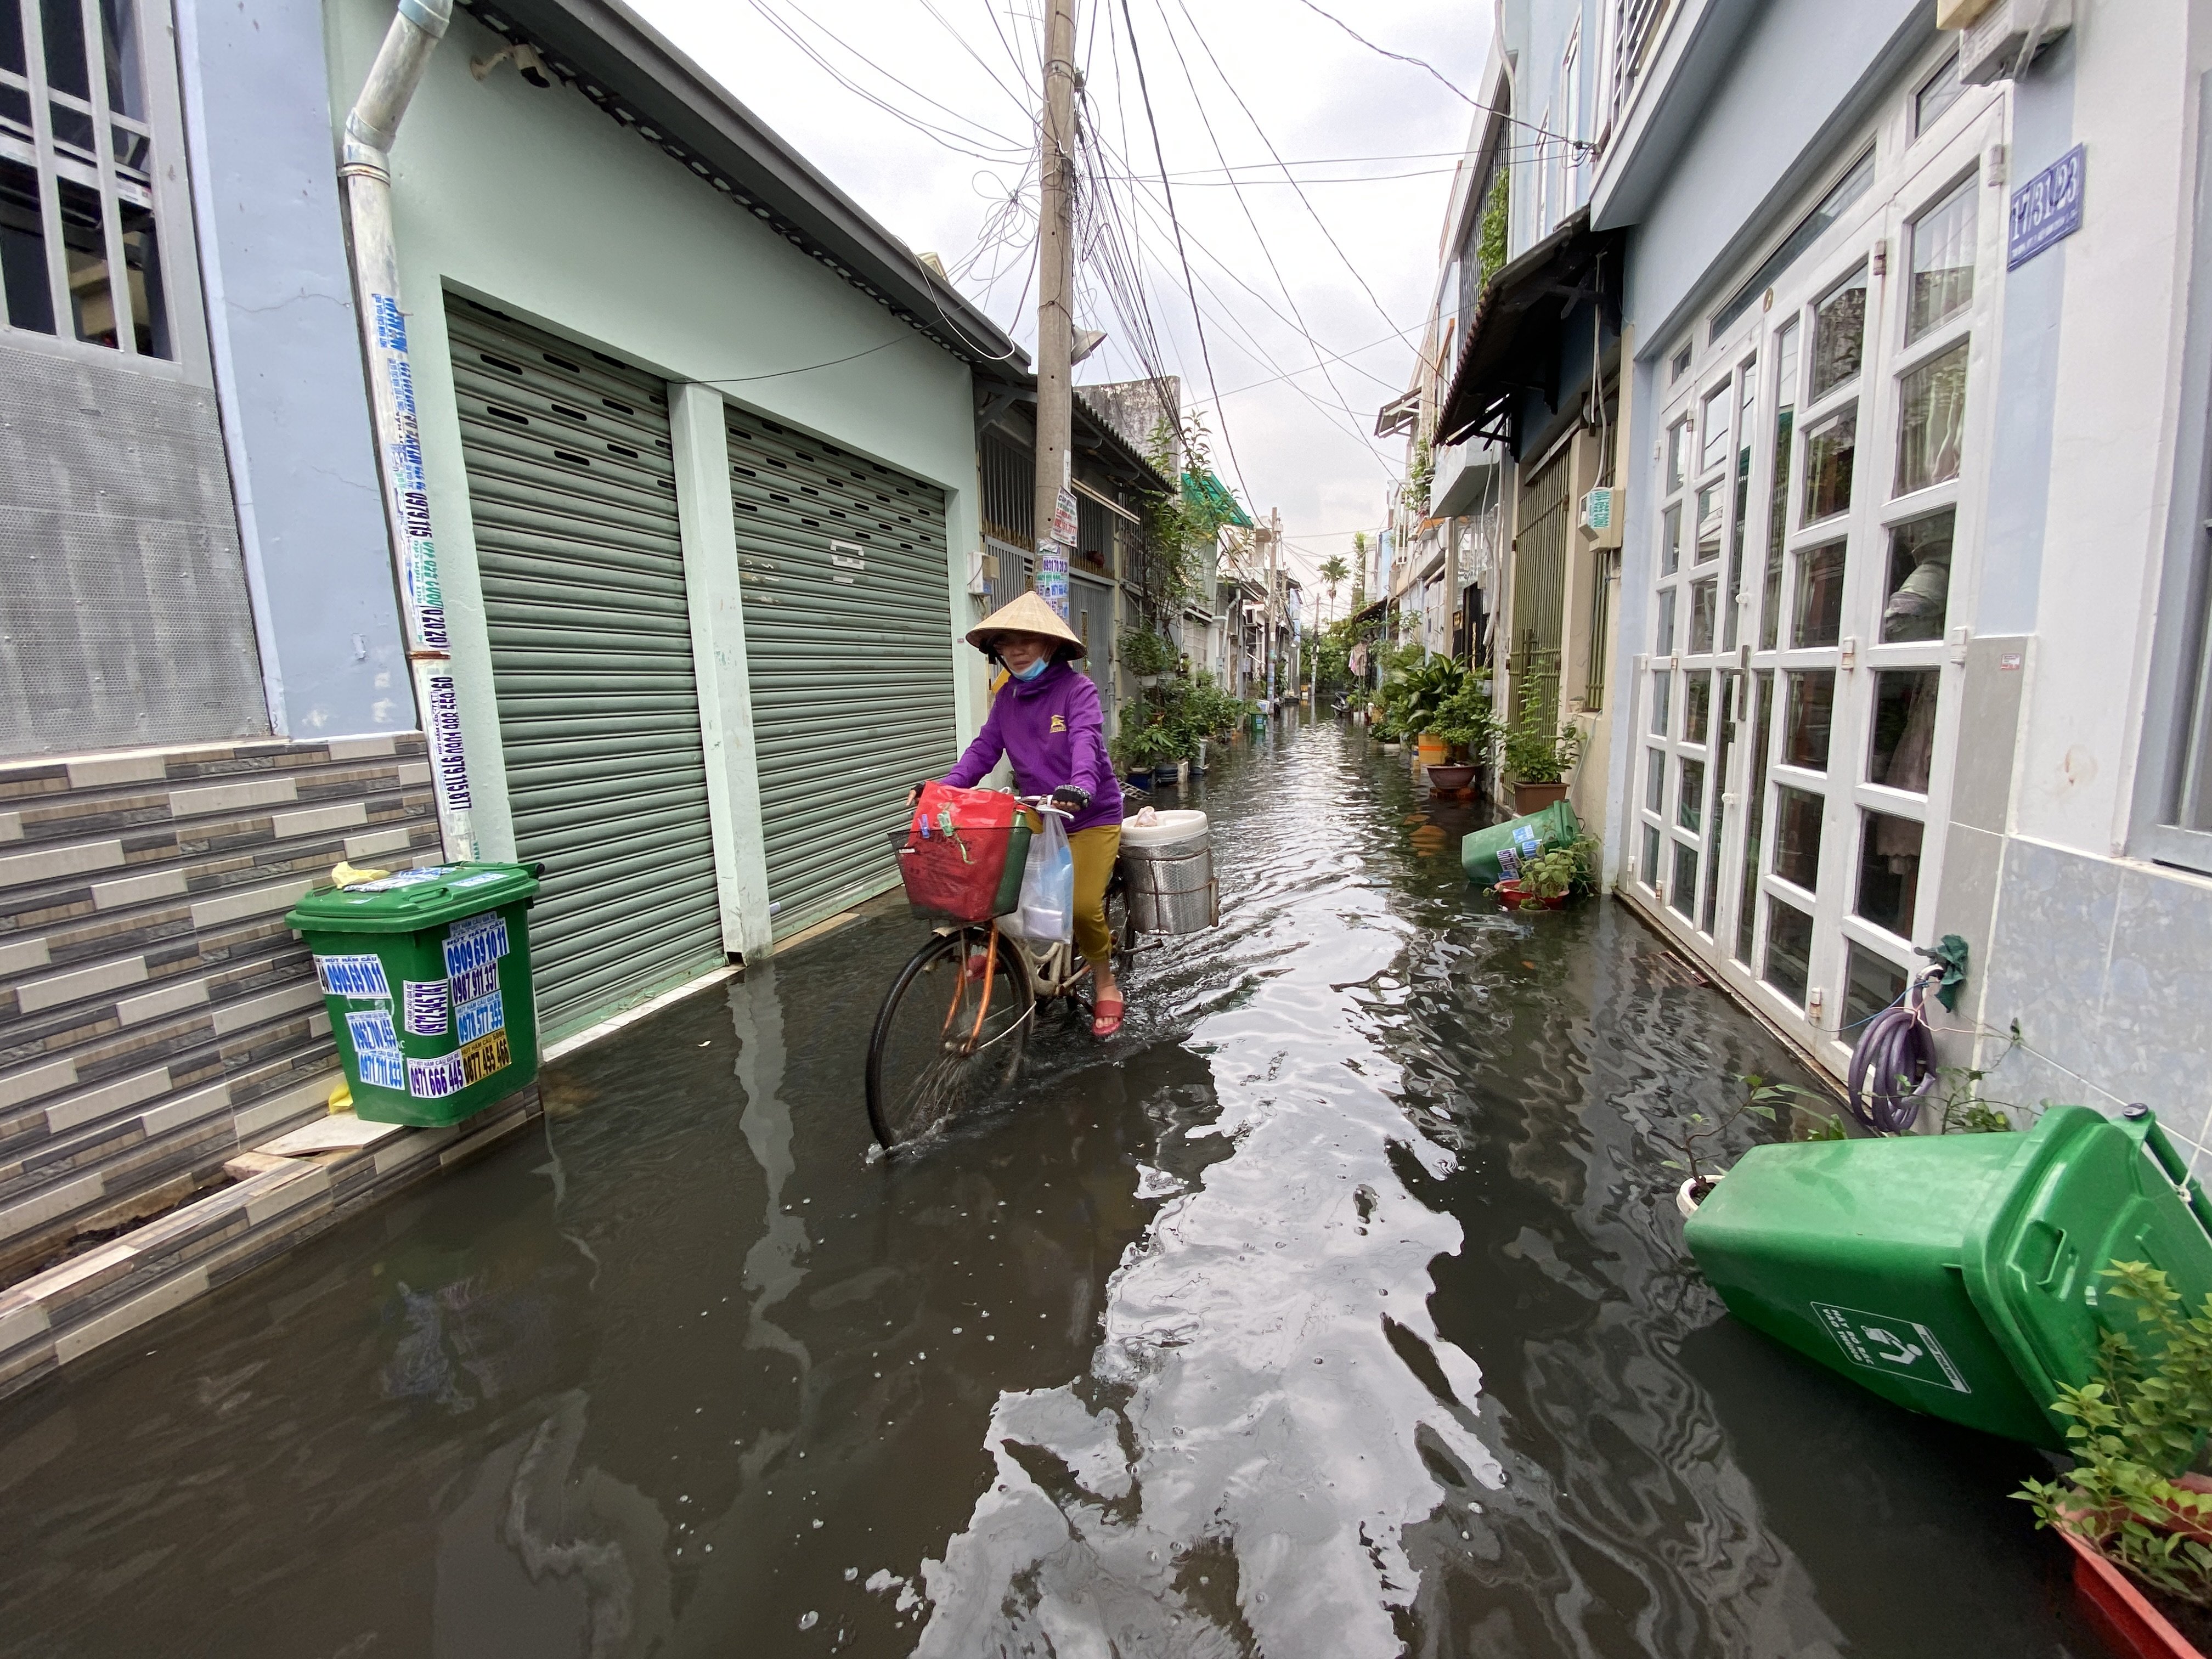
{"points": [[1106, 1016]]}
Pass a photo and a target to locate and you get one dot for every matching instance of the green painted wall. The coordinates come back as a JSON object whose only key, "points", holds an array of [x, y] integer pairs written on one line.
{"points": [[531, 200]]}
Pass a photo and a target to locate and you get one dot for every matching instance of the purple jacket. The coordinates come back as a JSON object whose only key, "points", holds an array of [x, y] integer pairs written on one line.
{"points": [[1053, 732]]}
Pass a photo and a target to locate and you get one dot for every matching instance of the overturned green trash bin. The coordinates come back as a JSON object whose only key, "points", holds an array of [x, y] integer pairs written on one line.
{"points": [[426, 975], [1958, 1275], [1526, 837]]}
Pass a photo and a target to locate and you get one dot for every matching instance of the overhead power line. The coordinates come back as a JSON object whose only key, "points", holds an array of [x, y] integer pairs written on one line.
{"points": [[1002, 148], [1388, 321], [1268, 253], [1220, 415], [1340, 357], [1447, 82]]}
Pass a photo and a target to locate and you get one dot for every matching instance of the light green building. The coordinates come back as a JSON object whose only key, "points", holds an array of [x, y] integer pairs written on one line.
{"points": [[701, 445]]}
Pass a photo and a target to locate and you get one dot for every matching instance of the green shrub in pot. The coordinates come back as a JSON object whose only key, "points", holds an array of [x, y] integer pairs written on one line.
{"points": [[1537, 751]]}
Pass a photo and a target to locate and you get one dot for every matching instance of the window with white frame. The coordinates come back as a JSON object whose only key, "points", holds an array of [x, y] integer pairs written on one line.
{"points": [[81, 251], [1545, 142], [1796, 717], [1631, 40], [2174, 802], [1569, 105]]}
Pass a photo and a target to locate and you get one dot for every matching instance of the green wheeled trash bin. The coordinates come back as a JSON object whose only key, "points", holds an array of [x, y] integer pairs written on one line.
{"points": [[426, 973], [1958, 1275]]}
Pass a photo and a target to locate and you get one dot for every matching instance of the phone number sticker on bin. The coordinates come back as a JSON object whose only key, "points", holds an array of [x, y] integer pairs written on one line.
{"points": [[474, 984], [474, 1021], [434, 1079], [480, 1059], [425, 1001], [479, 942], [352, 976], [1883, 1342], [372, 1032], [379, 1070]]}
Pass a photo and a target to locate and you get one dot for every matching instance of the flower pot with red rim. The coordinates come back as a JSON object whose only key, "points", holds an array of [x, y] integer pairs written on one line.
{"points": [[2123, 1613], [1512, 894]]}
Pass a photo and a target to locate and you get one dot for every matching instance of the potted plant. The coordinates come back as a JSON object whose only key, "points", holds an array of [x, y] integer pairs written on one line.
{"points": [[1142, 750], [1550, 878], [1696, 1139], [2140, 1527], [1467, 727], [1538, 756], [1148, 656]]}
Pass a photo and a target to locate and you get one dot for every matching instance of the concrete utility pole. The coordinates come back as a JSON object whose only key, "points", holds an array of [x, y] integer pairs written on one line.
{"points": [[1055, 298]]}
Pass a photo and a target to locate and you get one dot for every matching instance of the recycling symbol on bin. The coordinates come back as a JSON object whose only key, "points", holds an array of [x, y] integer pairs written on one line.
{"points": [[1884, 1342]]}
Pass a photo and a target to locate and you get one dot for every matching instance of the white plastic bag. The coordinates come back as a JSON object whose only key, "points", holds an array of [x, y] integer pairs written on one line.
{"points": [[1047, 914]]}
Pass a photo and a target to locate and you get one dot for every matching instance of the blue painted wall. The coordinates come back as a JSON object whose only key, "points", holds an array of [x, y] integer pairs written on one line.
{"points": [[288, 367]]}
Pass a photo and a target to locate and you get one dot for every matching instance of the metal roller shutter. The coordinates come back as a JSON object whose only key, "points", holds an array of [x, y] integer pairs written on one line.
{"points": [[572, 489], [848, 642]]}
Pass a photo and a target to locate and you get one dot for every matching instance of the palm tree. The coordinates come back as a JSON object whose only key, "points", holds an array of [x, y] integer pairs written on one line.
{"points": [[1359, 574], [1334, 571]]}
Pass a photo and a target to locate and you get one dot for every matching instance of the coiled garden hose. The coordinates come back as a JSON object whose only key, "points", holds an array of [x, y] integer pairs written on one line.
{"points": [[1893, 1069]]}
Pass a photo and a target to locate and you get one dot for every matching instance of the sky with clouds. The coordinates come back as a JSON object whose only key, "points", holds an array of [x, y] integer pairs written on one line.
{"points": [[923, 111]]}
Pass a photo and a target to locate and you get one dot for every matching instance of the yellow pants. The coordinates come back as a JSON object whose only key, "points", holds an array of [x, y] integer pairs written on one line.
{"points": [[1094, 851]]}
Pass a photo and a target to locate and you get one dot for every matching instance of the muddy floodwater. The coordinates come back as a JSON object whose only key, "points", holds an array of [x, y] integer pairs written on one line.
{"points": [[1338, 1308]]}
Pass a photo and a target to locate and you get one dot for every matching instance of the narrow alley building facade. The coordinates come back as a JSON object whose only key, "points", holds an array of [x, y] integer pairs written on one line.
{"points": [[1899, 414], [701, 448]]}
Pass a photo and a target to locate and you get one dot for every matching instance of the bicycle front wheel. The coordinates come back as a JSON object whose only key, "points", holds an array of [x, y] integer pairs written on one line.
{"points": [[950, 1035]]}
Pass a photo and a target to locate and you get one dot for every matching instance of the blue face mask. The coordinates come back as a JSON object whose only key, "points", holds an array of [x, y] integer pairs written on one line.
{"points": [[1032, 671]]}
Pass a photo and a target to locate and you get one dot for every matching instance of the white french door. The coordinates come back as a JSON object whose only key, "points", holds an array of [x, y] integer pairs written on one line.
{"points": [[1797, 710]]}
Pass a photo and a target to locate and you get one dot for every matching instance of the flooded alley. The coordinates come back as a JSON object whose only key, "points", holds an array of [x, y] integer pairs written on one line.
{"points": [[1337, 1308]]}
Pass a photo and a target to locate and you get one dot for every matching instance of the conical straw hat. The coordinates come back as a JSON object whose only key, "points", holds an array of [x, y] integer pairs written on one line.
{"points": [[1028, 614]]}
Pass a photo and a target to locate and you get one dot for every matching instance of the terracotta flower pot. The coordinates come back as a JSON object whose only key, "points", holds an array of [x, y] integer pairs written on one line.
{"points": [[1535, 796], [1442, 776], [2123, 1613]]}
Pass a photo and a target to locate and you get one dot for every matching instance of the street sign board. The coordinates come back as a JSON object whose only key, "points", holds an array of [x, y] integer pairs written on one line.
{"points": [[2047, 208], [1063, 519]]}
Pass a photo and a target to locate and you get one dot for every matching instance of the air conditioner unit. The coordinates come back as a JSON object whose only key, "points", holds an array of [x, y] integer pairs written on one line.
{"points": [[1991, 45], [1599, 519]]}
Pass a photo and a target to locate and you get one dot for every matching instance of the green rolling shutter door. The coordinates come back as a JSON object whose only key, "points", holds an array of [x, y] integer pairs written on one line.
{"points": [[572, 489], [848, 640]]}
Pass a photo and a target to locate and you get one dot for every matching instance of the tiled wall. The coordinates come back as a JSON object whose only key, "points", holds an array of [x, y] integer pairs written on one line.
{"points": [[155, 1014], [2105, 966]]}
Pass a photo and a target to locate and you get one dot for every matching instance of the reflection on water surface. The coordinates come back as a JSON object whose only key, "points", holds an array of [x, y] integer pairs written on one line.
{"points": [[1336, 1309]]}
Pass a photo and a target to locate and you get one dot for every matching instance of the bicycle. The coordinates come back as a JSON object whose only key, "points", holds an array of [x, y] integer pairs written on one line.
{"points": [[954, 1026]]}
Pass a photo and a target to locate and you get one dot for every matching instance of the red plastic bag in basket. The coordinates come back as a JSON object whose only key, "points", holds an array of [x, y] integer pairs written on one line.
{"points": [[956, 851]]}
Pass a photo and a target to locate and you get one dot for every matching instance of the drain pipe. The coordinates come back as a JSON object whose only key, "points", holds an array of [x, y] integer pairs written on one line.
{"points": [[365, 173]]}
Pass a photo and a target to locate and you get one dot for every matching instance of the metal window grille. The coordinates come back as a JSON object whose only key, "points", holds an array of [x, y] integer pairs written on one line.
{"points": [[1539, 591], [80, 251], [1636, 32], [1009, 491], [1094, 535], [1600, 618]]}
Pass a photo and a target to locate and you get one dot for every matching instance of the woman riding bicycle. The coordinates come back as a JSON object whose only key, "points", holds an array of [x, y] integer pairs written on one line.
{"points": [[1048, 723]]}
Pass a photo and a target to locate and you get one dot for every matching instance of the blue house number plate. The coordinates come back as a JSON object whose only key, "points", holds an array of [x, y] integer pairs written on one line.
{"points": [[2047, 207]]}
